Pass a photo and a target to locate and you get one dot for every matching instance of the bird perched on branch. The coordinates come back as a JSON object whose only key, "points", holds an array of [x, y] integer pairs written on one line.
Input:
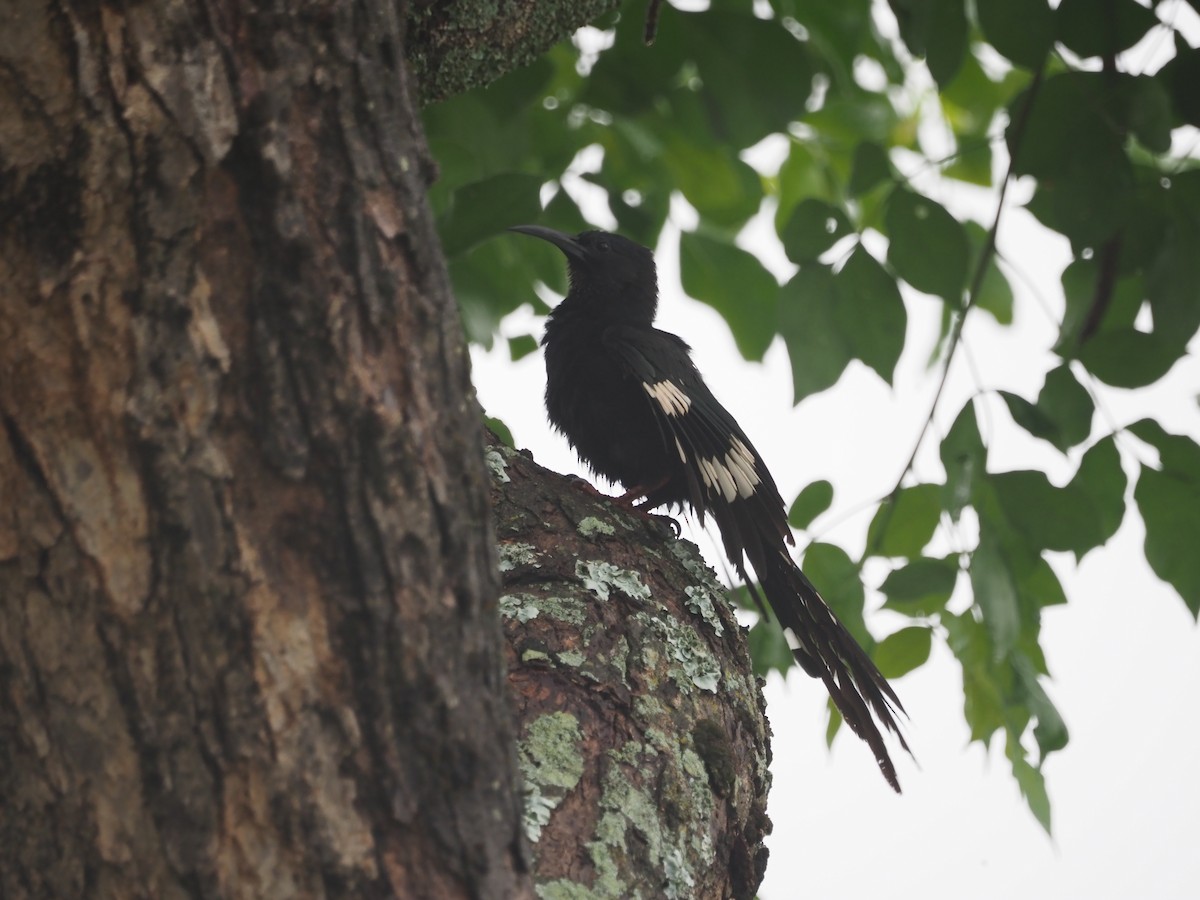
{"points": [[633, 405]]}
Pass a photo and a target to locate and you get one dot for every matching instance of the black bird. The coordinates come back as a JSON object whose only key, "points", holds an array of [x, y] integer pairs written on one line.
{"points": [[633, 405]]}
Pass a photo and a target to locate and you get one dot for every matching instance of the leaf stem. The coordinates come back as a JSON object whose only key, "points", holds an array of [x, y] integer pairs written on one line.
{"points": [[981, 267]]}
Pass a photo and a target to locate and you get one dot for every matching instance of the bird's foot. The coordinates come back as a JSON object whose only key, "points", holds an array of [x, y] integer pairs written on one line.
{"points": [[628, 502]]}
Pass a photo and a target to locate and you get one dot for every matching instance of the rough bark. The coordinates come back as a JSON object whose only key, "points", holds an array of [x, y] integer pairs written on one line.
{"points": [[248, 640], [643, 743], [462, 44]]}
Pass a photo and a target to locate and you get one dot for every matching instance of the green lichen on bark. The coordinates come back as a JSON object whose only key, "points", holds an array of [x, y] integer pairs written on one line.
{"points": [[515, 553], [601, 578], [591, 526], [455, 46], [670, 825], [552, 766]]}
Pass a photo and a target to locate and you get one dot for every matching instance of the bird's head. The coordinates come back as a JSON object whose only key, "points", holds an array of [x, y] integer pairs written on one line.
{"points": [[611, 273]]}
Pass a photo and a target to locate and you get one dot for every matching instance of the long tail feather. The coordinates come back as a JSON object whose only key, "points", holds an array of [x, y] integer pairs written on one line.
{"points": [[827, 650]]}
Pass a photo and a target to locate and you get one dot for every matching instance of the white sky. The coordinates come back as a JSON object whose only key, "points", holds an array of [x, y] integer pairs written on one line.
{"points": [[1124, 653]]}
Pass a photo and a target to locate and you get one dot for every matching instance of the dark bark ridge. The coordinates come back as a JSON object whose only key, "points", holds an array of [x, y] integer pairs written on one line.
{"points": [[248, 633], [644, 743]]}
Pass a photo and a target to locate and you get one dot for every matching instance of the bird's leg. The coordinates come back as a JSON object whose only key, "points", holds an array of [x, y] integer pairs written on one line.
{"points": [[628, 500]]}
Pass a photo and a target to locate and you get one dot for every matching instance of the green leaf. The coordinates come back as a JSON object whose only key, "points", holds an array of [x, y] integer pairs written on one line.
{"points": [[498, 276], [1149, 112], [810, 503], [921, 588], [995, 594], [485, 208], [813, 228], [836, 577], [818, 351], [983, 694], [1051, 731], [1116, 26], [806, 173], [769, 648], [995, 294], [855, 116], [1099, 486], [521, 346], [964, 458], [1072, 204], [1032, 783], [935, 29], [1029, 417], [1063, 413], [870, 167], [1022, 30], [946, 40], [735, 284], [1173, 285], [724, 189], [1069, 116], [973, 164], [1040, 587], [1046, 517], [1080, 282], [1129, 358], [928, 246], [1066, 403], [902, 527], [1169, 501], [870, 313], [901, 652], [1180, 77], [971, 100], [742, 60], [1178, 454], [499, 429]]}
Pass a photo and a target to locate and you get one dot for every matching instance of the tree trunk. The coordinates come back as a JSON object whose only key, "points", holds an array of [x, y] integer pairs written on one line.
{"points": [[248, 639], [644, 743]]}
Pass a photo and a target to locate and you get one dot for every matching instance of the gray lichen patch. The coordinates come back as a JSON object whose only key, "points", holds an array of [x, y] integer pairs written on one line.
{"points": [[561, 889], [601, 578], [701, 601], [524, 607], [496, 465], [515, 553], [552, 766], [521, 607], [572, 658], [689, 557], [669, 825], [691, 662], [591, 526]]}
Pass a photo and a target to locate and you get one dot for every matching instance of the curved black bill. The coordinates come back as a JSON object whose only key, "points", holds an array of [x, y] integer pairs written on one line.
{"points": [[563, 241]]}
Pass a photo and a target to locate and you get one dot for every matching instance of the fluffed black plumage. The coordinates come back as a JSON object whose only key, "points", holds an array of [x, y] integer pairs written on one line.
{"points": [[633, 405]]}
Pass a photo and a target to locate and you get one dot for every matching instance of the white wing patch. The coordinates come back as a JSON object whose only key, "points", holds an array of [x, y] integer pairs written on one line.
{"points": [[740, 462], [735, 475], [674, 402]]}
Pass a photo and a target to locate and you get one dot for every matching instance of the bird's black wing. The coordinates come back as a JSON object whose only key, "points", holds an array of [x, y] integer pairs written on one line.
{"points": [[724, 476], [716, 459]]}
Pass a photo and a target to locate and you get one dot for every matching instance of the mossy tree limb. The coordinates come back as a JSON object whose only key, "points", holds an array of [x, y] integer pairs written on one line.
{"points": [[463, 44], [643, 740]]}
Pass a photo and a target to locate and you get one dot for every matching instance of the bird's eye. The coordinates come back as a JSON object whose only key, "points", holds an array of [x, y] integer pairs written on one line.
{"points": [[603, 245]]}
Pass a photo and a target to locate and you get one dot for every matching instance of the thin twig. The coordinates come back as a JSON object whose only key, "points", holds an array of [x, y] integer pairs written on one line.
{"points": [[985, 258], [652, 12]]}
